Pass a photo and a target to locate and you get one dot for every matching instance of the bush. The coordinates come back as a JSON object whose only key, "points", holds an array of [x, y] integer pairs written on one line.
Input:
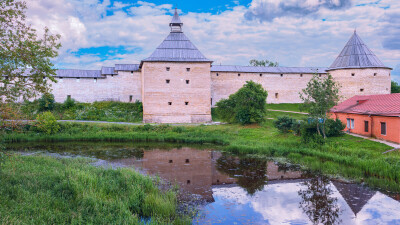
{"points": [[46, 102], [246, 106], [334, 128], [69, 103], [284, 124], [47, 123], [309, 134]]}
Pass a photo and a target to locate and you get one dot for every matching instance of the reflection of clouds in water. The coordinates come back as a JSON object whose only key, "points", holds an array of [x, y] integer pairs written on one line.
{"points": [[279, 204], [380, 210]]}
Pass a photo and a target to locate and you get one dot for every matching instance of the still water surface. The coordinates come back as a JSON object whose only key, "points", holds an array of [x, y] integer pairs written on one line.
{"points": [[242, 190]]}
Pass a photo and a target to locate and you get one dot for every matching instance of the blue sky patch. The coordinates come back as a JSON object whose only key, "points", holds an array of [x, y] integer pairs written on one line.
{"points": [[106, 52]]}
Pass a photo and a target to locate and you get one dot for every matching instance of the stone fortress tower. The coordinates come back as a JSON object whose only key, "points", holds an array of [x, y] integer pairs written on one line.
{"points": [[178, 84], [359, 71]]}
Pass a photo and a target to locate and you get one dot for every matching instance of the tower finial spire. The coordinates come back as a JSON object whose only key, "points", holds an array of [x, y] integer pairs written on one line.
{"points": [[176, 24]]}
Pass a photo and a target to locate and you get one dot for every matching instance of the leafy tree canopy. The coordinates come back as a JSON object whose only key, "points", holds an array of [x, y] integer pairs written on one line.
{"points": [[24, 57], [255, 62], [246, 106], [395, 87], [320, 95]]}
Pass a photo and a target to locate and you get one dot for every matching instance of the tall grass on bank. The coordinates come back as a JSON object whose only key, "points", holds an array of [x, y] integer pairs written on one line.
{"points": [[347, 156], [45, 190]]}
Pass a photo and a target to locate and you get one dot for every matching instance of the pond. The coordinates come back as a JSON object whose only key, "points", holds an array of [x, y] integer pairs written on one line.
{"points": [[238, 189]]}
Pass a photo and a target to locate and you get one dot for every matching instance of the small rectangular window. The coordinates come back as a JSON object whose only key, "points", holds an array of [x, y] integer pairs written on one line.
{"points": [[167, 68], [319, 75], [170, 161], [350, 123], [188, 181], [186, 103], [301, 75], [281, 75], [95, 80], [167, 81], [217, 74], [187, 69], [353, 74], [260, 74], [383, 128], [131, 72], [362, 89], [68, 96], [169, 103], [130, 98], [77, 79], [276, 95], [366, 126], [375, 74], [60, 79], [238, 74], [211, 101], [187, 161], [187, 81]]}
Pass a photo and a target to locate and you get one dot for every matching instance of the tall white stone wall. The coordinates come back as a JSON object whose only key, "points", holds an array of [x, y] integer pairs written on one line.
{"points": [[164, 102], [368, 81], [283, 88], [116, 88]]}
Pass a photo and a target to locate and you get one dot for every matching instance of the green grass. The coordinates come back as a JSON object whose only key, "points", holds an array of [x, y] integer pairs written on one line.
{"points": [[347, 156], [46, 190], [276, 114], [286, 107]]}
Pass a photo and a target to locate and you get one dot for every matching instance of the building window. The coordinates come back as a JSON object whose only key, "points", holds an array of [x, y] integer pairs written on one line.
{"points": [[130, 98], [260, 74], [188, 181], [167, 68], [211, 101], [95, 80], [217, 74], [170, 161], [60, 79], [276, 95], [77, 79], [319, 75], [169, 103], [112, 76], [350, 123], [187, 69], [301, 75], [167, 81], [362, 89], [187, 161], [366, 126], [131, 72], [238, 74], [353, 74], [281, 75], [383, 128], [187, 81], [375, 74], [186, 103], [68, 97]]}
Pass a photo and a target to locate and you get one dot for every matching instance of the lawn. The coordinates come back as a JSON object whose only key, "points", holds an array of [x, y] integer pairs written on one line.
{"points": [[296, 107], [46, 190]]}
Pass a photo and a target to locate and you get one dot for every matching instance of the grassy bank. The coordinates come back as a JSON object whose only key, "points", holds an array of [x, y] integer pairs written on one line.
{"points": [[96, 111], [346, 156], [45, 190], [296, 107]]}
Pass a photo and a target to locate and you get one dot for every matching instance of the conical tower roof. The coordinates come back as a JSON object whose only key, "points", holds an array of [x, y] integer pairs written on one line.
{"points": [[356, 55], [176, 47]]}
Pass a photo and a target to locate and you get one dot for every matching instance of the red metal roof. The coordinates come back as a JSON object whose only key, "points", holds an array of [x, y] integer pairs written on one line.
{"points": [[385, 105]]}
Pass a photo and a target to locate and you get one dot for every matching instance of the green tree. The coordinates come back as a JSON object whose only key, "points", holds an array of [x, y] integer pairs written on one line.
{"points": [[25, 66], [320, 95], [395, 88], [255, 62], [245, 106]]}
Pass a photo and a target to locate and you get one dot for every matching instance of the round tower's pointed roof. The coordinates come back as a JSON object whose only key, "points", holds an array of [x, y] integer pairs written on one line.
{"points": [[356, 54], [175, 18]]}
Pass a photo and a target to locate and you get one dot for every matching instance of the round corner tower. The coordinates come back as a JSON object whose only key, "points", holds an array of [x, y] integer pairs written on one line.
{"points": [[359, 71]]}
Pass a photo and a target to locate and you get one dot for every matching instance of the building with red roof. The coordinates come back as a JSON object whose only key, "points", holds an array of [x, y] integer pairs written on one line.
{"points": [[371, 115]]}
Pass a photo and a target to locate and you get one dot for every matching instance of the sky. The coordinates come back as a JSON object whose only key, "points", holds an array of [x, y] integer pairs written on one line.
{"points": [[99, 33]]}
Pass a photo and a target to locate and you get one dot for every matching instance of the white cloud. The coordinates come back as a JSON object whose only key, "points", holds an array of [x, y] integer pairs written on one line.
{"points": [[227, 37]]}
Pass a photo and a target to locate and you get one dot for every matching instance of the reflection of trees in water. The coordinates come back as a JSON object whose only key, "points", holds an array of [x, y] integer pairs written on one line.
{"points": [[317, 202], [251, 173]]}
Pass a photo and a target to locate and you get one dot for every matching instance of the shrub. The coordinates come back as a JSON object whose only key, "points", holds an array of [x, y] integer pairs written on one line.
{"points": [[246, 106], [47, 123], [46, 102], [69, 103], [284, 123], [309, 133], [334, 128]]}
